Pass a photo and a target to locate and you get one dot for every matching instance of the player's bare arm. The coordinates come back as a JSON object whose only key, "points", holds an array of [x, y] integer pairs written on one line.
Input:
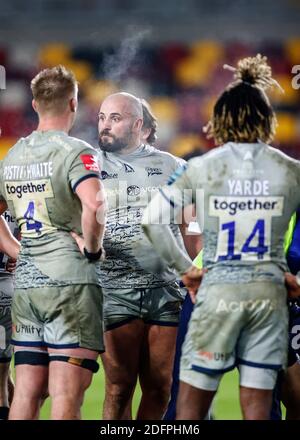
{"points": [[292, 285], [8, 244], [93, 219], [192, 240], [193, 245]]}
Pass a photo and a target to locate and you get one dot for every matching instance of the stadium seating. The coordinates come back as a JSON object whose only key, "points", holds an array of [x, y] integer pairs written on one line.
{"points": [[181, 81]]}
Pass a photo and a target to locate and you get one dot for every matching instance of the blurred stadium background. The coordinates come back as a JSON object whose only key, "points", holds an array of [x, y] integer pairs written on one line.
{"points": [[170, 53]]}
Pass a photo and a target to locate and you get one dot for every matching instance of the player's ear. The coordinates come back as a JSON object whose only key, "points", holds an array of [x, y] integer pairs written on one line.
{"points": [[73, 105], [138, 123], [34, 106], [145, 133]]}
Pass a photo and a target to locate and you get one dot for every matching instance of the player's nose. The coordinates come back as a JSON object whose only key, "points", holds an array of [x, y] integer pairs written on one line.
{"points": [[106, 124]]}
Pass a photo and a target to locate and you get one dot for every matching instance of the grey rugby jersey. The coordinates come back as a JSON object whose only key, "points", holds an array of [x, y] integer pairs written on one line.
{"points": [[39, 176], [245, 195], [130, 182]]}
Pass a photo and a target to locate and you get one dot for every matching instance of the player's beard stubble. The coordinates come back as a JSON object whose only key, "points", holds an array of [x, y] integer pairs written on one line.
{"points": [[112, 144]]}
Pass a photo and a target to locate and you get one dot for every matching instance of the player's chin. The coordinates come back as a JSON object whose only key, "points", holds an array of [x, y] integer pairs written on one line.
{"points": [[105, 145]]}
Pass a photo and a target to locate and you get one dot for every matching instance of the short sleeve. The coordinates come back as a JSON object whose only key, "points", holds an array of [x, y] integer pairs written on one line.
{"points": [[83, 166]]}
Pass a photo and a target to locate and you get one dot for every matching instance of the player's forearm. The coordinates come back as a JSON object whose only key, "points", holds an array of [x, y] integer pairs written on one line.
{"points": [[167, 247], [8, 244], [192, 242], [155, 223], [93, 226]]}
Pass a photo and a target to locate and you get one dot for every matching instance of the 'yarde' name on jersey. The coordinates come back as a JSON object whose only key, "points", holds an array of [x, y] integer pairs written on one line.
{"points": [[245, 218]]}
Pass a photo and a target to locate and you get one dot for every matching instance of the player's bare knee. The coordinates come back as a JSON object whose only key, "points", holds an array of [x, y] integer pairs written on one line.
{"points": [[157, 389], [161, 395], [120, 390], [158, 382]]}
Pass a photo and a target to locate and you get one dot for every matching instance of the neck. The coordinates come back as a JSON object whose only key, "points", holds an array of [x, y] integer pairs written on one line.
{"points": [[54, 123], [130, 149]]}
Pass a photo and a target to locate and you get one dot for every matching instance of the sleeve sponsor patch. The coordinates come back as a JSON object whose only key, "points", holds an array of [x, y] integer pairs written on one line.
{"points": [[90, 162]]}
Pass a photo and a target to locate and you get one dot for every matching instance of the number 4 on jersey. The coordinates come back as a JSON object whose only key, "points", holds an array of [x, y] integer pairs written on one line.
{"points": [[258, 231], [30, 222]]}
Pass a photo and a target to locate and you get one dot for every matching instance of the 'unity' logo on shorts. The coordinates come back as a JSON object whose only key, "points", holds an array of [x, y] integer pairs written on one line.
{"points": [[27, 329], [216, 356]]}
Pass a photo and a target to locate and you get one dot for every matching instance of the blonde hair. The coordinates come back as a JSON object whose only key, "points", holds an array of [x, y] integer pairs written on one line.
{"points": [[53, 88]]}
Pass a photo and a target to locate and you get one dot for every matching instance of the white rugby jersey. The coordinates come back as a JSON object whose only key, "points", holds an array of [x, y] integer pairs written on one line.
{"points": [[245, 195]]}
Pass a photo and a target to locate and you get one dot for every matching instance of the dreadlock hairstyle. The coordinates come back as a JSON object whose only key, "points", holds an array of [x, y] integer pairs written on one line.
{"points": [[243, 112], [149, 122]]}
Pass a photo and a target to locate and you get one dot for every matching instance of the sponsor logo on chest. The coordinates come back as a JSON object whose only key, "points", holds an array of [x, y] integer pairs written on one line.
{"points": [[153, 171]]}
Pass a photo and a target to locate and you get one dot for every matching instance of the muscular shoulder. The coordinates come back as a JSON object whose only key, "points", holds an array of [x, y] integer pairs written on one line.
{"points": [[78, 145], [210, 158], [284, 158], [13, 150]]}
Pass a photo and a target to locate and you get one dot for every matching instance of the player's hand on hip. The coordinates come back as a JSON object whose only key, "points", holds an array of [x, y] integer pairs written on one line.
{"points": [[79, 240], [192, 280], [292, 286]]}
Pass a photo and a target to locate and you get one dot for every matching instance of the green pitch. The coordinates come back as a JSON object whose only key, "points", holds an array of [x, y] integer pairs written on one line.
{"points": [[226, 406]]}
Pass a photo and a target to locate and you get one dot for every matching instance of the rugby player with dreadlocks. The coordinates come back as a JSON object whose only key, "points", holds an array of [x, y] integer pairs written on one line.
{"points": [[249, 191]]}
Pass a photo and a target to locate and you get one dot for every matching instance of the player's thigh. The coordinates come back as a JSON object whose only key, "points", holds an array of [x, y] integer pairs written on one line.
{"points": [[122, 351], [73, 317], [6, 292], [264, 338], [71, 370], [291, 386], [162, 305], [120, 306], [27, 327], [157, 356], [294, 333], [31, 372], [213, 330]]}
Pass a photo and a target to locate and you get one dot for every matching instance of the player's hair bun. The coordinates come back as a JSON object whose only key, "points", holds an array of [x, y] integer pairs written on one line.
{"points": [[253, 71]]}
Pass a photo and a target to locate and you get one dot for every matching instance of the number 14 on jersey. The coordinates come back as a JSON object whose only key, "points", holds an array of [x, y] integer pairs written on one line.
{"points": [[245, 226]]}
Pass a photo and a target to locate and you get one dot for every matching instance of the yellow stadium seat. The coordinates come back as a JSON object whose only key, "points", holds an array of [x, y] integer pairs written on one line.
{"points": [[95, 91], [292, 48], [192, 72], [290, 95], [81, 69], [165, 109], [287, 128], [207, 107], [208, 51], [5, 144], [53, 54], [185, 144]]}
